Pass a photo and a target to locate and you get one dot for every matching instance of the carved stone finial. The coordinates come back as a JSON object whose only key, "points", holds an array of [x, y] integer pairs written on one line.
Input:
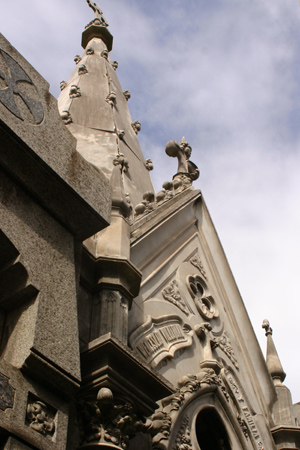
{"points": [[120, 160], [149, 164], [74, 91], [104, 54], [111, 98], [266, 326], [272, 359], [66, 117], [77, 59], [115, 65], [187, 171], [62, 85], [82, 70], [98, 13], [90, 51], [136, 126], [127, 95]]}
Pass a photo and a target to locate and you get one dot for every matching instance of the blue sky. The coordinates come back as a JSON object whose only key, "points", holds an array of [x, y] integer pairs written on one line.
{"points": [[224, 74]]}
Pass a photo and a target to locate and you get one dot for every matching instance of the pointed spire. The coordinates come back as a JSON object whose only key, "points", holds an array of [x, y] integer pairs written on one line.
{"points": [[273, 362], [93, 105]]}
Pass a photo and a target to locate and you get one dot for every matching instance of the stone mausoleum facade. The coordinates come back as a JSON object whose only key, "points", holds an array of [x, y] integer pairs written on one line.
{"points": [[121, 323]]}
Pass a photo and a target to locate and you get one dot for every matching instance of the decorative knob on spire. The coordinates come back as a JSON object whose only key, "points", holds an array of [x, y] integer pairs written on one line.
{"points": [[266, 326]]}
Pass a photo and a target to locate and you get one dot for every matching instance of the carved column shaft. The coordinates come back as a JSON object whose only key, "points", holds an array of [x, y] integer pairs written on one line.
{"points": [[110, 315]]}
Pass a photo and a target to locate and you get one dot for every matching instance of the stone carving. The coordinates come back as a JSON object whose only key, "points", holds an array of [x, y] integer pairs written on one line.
{"points": [[17, 73], [158, 426], [82, 70], [158, 339], [245, 417], [62, 85], [266, 326], [90, 51], [7, 393], [243, 426], [183, 440], [127, 95], [120, 133], [115, 65], [111, 423], [66, 117], [149, 164], [189, 384], [38, 418], [170, 189], [204, 303], [77, 59], [187, 171], [196, 262], [104, 54], [136, 126], [74, 91], [224, 343], [122, 161], [172, 294], [147, 204], [111, 98], [99, 19], [202, 331]]}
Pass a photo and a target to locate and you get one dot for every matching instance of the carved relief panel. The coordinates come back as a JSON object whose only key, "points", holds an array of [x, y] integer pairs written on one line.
{"points": [[185, 305]]}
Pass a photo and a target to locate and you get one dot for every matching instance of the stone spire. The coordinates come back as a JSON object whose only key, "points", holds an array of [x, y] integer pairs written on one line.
{"points": [[273, 362], [283, 411], [94, 107]]}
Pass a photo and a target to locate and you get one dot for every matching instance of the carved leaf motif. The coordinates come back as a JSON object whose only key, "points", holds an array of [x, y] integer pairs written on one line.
{"points": [[172, 294], [196, 262], [224, 343], [183, 440]]}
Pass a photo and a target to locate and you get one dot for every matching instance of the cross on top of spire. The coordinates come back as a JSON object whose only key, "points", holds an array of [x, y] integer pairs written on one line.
{"points": [[98, 13]]}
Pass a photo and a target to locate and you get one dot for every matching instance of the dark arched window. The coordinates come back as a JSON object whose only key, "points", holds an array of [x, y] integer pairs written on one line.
{"points": [[211, 433]]}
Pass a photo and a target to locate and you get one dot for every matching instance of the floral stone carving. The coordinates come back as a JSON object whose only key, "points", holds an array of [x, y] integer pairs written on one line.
{"points": [[196, 262], [183, 440], [38, 418], [172, 294], [74, 91], [82, 70], [77, 59], [108, 422], [224, 344]]}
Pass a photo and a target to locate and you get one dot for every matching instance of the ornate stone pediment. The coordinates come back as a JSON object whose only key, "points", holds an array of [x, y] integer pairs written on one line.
{"points": [[160, 338]]}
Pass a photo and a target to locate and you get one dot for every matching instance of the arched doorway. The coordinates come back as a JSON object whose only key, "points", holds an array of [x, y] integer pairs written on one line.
{"points": [[210, 431]]}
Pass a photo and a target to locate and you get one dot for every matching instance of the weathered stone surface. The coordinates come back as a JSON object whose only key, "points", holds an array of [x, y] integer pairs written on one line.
{"points": [[42, 156], [7, 393]]}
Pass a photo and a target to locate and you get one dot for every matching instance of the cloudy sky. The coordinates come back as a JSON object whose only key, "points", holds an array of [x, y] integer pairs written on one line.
{"points": [[224, 74]]}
